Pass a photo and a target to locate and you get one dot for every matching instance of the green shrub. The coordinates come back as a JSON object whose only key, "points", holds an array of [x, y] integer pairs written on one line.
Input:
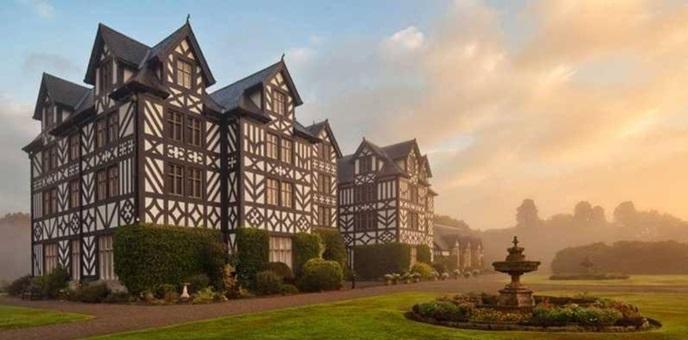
{"points": [[443, 311], [335, 248], [440, 267], [306, 246], [92, 292], [268, 283], [197, 282], [449, 263], [167, 292], [288, 289], [252, 254], [205, 295], [320, 275], [495, 316], [18, 286], [214, 258], [371, 262], [281, 269], [587, 316], [424, 269], [423, 253], [148, 256], [50, 285]]}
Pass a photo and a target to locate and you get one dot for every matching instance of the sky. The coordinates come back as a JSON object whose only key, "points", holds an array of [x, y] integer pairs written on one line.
{"points": [[557, 100]]}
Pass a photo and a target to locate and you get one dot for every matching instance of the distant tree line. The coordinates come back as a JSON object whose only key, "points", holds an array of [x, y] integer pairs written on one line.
{"points": [[630, 257]]}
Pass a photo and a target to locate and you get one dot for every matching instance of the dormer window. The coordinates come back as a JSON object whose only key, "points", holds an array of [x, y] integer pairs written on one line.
{"points": [[279, 103], [366, 164], [105, 76], [183, 74]]}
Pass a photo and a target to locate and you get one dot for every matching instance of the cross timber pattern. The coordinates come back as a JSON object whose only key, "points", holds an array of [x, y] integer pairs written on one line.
{"points": [[231, 157]]}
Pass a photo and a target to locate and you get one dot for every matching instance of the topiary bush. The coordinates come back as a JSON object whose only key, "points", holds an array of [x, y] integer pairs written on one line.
{"points": [[18, 286], [371, 262], [443, 311], [288, 289], [335, 248], [252, 254], [281, 269], [423, 253], [424, 269], [147, 256], [320, 275], [305, 246], [268, 283]]}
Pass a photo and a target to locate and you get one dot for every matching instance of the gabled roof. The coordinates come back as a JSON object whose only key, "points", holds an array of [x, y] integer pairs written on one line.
{"points": [[62, 92], [316, 128], [401, 150], [303, 131], [388, 154], [232, 96], [445, 237], [123, 47], [138, 54]]}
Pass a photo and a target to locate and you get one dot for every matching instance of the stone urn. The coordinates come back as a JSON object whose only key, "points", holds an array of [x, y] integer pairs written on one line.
{"points": [[514, 295]]}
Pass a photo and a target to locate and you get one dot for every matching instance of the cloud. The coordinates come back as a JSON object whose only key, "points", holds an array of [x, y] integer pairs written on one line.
{"points": [[548, 118], [42, 8], [16, 131], [50, 62]]}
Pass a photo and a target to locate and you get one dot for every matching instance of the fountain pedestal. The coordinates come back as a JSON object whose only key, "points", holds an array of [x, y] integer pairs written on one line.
{"points": [[515, 295]]}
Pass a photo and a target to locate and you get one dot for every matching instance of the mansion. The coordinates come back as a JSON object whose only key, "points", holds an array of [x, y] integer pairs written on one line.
{"points": [[143, 140]]}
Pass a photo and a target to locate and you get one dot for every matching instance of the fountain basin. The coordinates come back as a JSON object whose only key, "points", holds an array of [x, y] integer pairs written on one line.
{"points": [[516, 267]]}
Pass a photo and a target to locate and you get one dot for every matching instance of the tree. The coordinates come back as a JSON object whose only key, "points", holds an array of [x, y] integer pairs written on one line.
{"points": [[625, 213], [527, 214], [598, 215], [582, 213]]}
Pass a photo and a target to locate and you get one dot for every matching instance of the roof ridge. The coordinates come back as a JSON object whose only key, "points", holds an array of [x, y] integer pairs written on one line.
{"points": [[100, 24], [65, 80]]}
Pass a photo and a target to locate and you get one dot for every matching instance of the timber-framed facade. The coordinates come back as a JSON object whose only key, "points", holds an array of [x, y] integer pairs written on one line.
{"points": [[143, 141]]}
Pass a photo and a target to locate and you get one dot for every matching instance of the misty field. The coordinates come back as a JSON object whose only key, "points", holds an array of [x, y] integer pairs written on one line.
{"points": [[633, 280], [382, 318], [19, 317]]}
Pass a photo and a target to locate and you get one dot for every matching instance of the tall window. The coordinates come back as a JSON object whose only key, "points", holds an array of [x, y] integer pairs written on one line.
{"points": [[175, 121], [324, 215], [184, 73], [280, 250], [324, 183], [113, 180], [101, 184], [53, 157], [105, 76], [50, 254], [112, 127], [106, 260], [50, 201], [279, 102], [365, 220], [175, 179], [286, 151], [287, 193], [413, 191], [74, 197], [324, 151], [74, 147], [193, 179], [45, 156], [271, 146], [413, 220], [101, 133], [75, 246], [193, 131], [365, 164], [272, 191]]}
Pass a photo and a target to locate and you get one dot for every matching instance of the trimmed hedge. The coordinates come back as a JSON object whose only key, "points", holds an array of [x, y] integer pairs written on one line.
{"points": [[281, 269], [147, 256], [320, 275], [373, 261], [253, 253], [335, 249], [423, 253], [305, 247], [268, 283]]}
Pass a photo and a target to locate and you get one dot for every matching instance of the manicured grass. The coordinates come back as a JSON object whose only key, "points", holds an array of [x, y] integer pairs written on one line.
{"points": [[382, 318], [633, 280], [20, 317]]}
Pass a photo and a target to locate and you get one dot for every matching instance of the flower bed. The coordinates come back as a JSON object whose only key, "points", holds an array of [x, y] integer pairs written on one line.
{"points": [[589, 276], [568, 314]]}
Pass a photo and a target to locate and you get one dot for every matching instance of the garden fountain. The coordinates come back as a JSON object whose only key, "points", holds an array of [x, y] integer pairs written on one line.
{"points": [[514, 295]]}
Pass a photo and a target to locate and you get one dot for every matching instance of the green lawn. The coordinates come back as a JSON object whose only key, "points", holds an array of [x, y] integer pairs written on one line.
{"points": [[20, 317], [633, 280], [382, 318]]}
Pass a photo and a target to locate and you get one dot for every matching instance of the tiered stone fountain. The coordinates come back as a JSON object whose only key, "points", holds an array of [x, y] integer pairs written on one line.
{"points": [[515, 296]]}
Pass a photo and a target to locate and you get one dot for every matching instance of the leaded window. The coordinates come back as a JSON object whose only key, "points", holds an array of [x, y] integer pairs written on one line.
{"points": [[272, 191], [194, 181], [279, 103], [184, 72], [175, 122], [287, 192], [175, 179], [286, 150], [271, 146]]}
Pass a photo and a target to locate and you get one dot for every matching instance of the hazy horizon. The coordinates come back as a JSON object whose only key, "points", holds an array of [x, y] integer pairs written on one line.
{"points": [[556, 101]]}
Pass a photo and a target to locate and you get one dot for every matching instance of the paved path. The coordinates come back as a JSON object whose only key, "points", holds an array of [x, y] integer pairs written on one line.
{"points": [[112, 318]]}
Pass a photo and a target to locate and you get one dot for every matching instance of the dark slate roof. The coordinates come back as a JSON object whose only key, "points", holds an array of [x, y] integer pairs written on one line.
{"points": [[123, 47], [400, 150], [389, 154], [316, 128], [345, 168], [302, 131], [61, 91], [230, 96], [183, 32]]}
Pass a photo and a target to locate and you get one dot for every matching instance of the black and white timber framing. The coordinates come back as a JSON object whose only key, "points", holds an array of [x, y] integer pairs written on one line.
{"points": [[385, 195], [211, 172]]}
